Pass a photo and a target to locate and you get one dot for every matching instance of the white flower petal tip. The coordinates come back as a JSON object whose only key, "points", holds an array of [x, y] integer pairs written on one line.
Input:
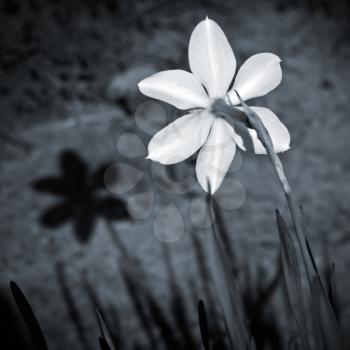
{"points": [[180, 139], [207, 188], [278, 132], [150, 157], [177, 87], [211, 57], [284, 148], [259, 74], [215, 157]]}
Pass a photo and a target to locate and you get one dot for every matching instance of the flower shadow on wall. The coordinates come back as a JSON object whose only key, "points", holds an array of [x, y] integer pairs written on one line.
{"points": [[80, 197]]}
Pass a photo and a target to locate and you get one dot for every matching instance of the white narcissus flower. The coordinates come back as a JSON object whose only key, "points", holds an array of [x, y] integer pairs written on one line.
{"points": [[213, 66]]}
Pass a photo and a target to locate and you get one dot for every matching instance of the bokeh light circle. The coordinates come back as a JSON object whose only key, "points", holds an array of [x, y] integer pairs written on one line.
{"points": [[169, 225], [121, 178], [150, 117], [231, 194]]}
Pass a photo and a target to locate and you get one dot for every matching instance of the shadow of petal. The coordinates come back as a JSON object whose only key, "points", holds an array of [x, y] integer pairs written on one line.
{"points": [[56, 215]]}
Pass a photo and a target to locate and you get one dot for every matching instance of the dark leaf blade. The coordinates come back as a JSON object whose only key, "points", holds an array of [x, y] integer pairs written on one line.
{"points": [[310, 255], [29, 317], [105, 335], [228, 291], [252, 345], [293, 343], [103, 344], [203, 325], [332, 290], [292, 276], [326, 322], [329, 325]]}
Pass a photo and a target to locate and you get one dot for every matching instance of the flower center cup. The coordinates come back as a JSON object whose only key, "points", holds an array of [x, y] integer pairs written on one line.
{"points": [[231, 114]]}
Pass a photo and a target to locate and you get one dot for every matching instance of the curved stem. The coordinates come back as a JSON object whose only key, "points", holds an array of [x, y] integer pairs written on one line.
{"points": [[265, 139]]}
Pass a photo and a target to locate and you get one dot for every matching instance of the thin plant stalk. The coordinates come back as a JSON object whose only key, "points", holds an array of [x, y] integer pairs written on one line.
{"points": [[265, 139], [333, 338]]}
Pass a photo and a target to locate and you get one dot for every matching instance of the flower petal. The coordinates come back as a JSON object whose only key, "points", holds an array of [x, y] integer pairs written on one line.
{"points": [[278, 132], [258, 75], [177, 87], [215, 156], [180, 139], [211, 57]]}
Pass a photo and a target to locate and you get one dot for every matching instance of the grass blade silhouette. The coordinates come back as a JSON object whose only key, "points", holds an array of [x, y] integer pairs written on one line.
{"points": [[203, 325], [106, 339], [252, 345], [328, 302], [328, 326], [29, 317], [293, 280], [332, 289]]}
